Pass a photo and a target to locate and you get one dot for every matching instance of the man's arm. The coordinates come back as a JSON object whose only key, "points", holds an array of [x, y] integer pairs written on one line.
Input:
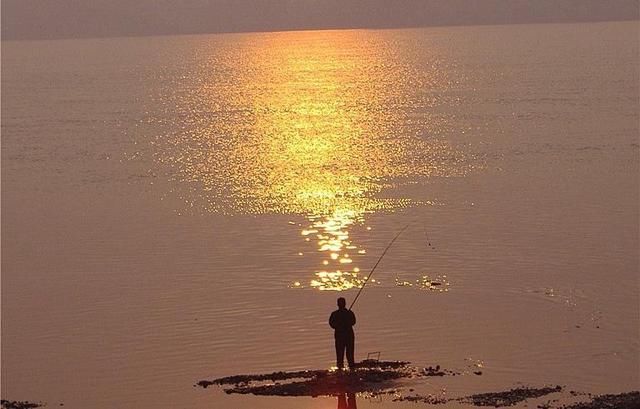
{"points": [[353, 318], [332, 320]]}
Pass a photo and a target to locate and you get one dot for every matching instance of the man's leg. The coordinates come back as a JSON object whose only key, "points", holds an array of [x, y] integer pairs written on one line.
{"points": [[342, 401], [340, 345], [351, 401], [350, 344]]}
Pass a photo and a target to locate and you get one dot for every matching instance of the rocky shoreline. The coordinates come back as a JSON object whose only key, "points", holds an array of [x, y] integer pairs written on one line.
{"points": [[379, 378]]}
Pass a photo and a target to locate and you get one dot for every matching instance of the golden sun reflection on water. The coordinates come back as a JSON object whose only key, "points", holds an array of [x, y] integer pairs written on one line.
{"points": [[309, 124], [332, 233]]}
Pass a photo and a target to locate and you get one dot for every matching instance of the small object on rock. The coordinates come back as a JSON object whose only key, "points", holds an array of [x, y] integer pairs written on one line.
{"points": [[477, 372], [430, 371]]}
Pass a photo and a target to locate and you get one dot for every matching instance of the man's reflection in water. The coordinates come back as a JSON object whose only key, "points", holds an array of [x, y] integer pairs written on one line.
{"points": [[347, 401]]}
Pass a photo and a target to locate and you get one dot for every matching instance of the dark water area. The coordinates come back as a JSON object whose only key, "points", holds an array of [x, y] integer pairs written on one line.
{"points": [[184, 208]]}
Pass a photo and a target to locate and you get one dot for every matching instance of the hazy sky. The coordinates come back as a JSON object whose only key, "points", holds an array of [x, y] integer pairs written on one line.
{"points": [[31, 19]]}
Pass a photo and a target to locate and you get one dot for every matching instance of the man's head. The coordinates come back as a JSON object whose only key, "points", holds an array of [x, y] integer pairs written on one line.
{"points": [[342, 303]]}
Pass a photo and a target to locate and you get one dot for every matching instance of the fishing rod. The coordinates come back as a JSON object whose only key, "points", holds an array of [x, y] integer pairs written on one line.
{"points": [[378, 262]]}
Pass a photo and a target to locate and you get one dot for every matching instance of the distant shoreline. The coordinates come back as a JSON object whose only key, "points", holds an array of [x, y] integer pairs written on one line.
{"points": [[328, 28]]}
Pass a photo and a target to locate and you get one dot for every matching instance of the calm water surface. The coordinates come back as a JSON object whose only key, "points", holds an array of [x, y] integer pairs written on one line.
{"points": [[183, 208]]}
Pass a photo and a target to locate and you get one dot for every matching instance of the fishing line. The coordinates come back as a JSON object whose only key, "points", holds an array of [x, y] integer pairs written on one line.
{"points": [[376, 265], [427, 235]]}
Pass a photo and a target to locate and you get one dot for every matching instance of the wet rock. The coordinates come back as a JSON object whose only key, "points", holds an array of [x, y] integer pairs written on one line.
{"points": [[495, 399], [12, 404], [428, 399], [338, 383], [430, 371], [367, 376], [437, 371], [629, 400], [375, 364], [204, 384], [508, 398], [273, 377]]}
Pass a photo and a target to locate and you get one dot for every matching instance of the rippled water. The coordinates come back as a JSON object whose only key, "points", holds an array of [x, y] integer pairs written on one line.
{"points": [[311, 124], [180, 208]]}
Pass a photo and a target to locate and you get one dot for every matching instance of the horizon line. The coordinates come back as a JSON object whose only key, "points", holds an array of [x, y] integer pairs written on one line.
{"points": [[311, 29]]}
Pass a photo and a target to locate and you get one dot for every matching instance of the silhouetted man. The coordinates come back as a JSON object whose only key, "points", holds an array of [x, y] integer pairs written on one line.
{"points": [[342, 321]]}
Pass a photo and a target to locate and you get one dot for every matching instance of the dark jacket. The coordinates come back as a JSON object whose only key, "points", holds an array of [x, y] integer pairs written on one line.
{"points": [[342, 321]]}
